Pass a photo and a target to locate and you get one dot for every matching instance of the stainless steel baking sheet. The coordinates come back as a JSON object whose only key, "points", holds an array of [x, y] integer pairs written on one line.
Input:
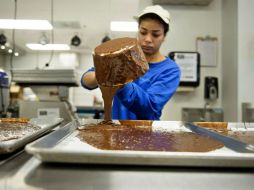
{"points": [[228, 141], [63, 146], [246, 126], [243, 132], [46, 124]]}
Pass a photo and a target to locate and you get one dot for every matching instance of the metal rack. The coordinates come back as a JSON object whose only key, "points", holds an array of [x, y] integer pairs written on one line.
{"points": [[51, 87], [59, 77]]}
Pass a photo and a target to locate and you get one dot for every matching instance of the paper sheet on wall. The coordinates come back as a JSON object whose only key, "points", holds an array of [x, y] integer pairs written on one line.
{"points": [[207, 47], [188, 64]]}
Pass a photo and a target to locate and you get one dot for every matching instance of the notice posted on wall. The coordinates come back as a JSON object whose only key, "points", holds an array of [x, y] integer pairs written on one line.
{"points": [[188, 63], [207, 47]]}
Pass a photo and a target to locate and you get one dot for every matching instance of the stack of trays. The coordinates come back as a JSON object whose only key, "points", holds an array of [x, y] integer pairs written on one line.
{"points": [[65, 77]]}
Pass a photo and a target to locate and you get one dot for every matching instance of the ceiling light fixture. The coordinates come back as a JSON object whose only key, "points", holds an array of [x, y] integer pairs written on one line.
{"points": [[44, 39], [123, 26], [3, 39], [25, 24], [75, 41], [105, 39], [48, 47]]}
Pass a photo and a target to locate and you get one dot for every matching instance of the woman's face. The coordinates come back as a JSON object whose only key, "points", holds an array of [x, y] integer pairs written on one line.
{"points": [[150, 36]]}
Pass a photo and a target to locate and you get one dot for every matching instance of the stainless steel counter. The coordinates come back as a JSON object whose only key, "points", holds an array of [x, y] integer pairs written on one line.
{"points": [[25, 172]]}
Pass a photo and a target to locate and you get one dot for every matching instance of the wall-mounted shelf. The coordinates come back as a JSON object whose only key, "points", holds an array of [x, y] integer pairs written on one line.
{"points": [[183, 2], [185, 89]]}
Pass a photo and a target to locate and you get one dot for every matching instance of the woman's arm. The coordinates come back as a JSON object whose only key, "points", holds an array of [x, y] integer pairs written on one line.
{"points": [[148, 103]]}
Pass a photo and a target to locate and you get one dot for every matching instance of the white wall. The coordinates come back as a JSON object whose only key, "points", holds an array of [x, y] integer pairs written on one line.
{"points": [[238, 56], [39, 60], [188, 23], [229, 60], [182, 36], [245, 52], [83, 97], [2, 61]]}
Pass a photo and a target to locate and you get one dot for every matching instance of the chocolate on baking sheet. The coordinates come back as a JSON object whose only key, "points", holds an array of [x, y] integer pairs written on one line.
{"points": [[15, 128], [14, 120], [141, 137]]}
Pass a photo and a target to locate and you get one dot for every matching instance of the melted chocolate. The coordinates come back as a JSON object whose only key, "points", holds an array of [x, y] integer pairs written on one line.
{"points": [[117, 62], [143, 138], [108, 95]]}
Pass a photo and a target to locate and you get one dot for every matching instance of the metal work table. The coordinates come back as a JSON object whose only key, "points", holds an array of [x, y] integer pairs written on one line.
{"points": [[25, 172]]}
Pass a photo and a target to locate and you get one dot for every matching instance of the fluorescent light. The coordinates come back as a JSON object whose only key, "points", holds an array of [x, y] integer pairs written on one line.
{"points": [[46, 47], [124, 26], [25, 24]]}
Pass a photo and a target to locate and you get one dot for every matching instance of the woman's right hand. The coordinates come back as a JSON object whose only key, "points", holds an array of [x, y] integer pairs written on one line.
{"points": [[89, 80]]}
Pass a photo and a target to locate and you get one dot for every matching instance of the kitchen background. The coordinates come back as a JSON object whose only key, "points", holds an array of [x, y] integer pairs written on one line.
{"points": [[229, 21]]}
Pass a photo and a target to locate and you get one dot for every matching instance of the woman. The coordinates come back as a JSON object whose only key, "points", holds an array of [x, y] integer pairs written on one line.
{"points": [[144, 98]]}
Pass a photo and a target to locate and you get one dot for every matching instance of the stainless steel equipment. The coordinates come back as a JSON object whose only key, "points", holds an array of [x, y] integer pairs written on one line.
{"points": [[28, 173], [46, 125], [57, 77], [4, 92], [63, 145], [51, 88], [202, 114], [247, 112], [32, 109]]}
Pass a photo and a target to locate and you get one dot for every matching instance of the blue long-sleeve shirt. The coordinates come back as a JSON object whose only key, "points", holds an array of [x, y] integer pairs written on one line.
{"points": [[144, 98]]}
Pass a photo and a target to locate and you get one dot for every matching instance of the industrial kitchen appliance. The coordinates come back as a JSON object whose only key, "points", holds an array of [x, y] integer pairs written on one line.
{"points": [[51, 90]]}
